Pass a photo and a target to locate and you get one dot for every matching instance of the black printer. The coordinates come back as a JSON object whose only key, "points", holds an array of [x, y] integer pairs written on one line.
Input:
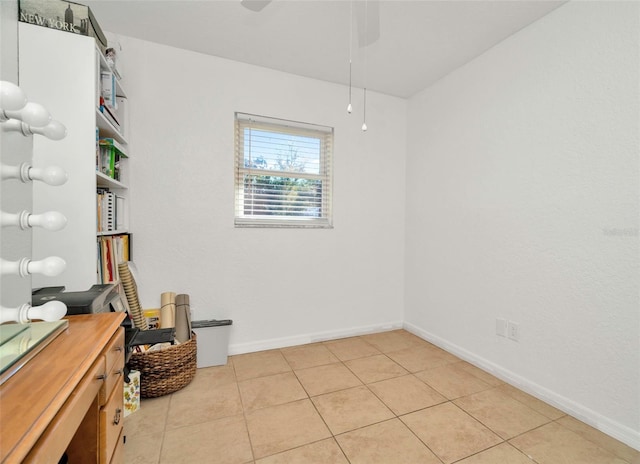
{"points": [[102, 298]]}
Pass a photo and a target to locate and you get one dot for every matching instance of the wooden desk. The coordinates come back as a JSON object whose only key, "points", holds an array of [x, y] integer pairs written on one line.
{"points": [[67, 397]]}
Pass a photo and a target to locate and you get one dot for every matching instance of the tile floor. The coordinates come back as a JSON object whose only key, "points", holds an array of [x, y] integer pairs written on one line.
{"points": [[387, 398]]}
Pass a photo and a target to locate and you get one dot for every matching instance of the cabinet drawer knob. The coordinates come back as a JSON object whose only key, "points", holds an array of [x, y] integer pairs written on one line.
{"points": [[116, 417], [101, 376], [119, 348]]}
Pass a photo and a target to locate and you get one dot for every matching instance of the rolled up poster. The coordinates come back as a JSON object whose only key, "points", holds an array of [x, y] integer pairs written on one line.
{"points": [[167, 310], [131, 292], [183, 318]]}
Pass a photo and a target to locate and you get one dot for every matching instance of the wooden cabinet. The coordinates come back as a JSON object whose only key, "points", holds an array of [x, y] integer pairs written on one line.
{"points": [[98, 435], [68, 397]]}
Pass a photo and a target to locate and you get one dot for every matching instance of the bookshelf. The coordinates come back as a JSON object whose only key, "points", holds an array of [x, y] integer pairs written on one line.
{"points": [[63, 71], [111, 170]]}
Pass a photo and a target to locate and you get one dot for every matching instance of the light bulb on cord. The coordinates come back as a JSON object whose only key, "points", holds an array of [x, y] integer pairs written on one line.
{"points": [[51, 175], [32, 114], [54, 130], [51, 311], [51, 266], [51, 220], [12, 98]]}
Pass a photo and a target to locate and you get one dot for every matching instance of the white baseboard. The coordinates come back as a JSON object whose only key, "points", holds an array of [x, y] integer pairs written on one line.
{"points": [[274, 343], [614, 429]]}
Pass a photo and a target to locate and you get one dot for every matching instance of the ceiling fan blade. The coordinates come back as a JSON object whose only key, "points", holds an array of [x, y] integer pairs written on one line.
{"points": [[255, 5], [367, 15]]}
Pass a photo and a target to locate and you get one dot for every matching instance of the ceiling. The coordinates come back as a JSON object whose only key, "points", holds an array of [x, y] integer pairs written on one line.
{"points": [[420, 41]]}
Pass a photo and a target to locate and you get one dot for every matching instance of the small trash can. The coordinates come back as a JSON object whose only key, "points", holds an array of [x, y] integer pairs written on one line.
{"points": [[213, 341]]}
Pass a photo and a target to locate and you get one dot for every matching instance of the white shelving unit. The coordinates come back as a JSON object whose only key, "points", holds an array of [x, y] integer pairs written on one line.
{"points": [[62, 71]]}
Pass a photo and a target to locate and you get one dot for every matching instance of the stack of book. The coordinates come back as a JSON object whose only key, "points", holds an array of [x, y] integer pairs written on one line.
{"points": [[106, 207], [112, 250], [108, 159], [110, 210]]}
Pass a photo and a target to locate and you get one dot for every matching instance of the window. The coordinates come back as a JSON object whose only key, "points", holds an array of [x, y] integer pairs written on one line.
{"points": [[283, 173]]}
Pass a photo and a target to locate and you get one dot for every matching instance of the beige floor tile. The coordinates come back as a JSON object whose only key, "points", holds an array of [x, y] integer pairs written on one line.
{"points": [[452, 381], [422, 358], [406, 394], [554, 444], [206, 379], [142, 449], [214, 376], [326, 379], [602, 440], [482, 375], [224, 441], [375, 368], [301, 357], [259, 364], [534, 403], [350, 409], [449, 432], [384, 443], [393, 340], [271, 390], [501, 454], [321, 452], [150, 419], [280, 428], [501, 413], [193, 406], [351, 348]]}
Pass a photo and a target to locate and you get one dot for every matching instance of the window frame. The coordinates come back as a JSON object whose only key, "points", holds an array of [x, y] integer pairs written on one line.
{"points": [[324, 134]]}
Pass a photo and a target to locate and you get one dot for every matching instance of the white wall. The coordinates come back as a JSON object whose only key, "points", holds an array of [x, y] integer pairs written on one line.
{"points": [[522, 203], [279, 286]]}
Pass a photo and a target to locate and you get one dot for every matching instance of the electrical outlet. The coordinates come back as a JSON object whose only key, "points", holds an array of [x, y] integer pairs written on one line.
{"points": [[501, 327], [513, 331]]}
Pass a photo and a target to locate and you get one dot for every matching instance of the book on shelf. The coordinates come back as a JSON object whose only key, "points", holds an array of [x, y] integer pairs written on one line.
{"points": [[109, 158], [122, 113], [111, 116], [108, 87], [112, 250], [111, 142], [110, 210], [107, 161], [108, 261], [120, 212], [108, 115]]}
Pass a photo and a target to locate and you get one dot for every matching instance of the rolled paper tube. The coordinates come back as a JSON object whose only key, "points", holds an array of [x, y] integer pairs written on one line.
{"points": [[130, 291], [183, 321], [168, 310]]}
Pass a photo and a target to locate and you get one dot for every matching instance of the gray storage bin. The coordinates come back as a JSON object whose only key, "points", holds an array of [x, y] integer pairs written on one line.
{"points": [[213, 341]]}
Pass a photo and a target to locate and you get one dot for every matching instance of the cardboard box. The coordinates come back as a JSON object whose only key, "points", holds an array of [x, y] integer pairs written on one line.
{"points": [[64, 16], [132, 393]]}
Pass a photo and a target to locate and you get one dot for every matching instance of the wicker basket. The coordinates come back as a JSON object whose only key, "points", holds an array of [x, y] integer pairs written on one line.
{"points": [[165, 371]]}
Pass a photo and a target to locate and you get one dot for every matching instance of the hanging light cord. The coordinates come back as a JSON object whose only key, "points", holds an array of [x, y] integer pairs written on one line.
{"points": [[349, 107], [366, 32]]}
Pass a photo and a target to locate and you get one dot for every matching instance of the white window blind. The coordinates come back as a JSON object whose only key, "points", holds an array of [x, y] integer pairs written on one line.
{"points": [[283, 173]]}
